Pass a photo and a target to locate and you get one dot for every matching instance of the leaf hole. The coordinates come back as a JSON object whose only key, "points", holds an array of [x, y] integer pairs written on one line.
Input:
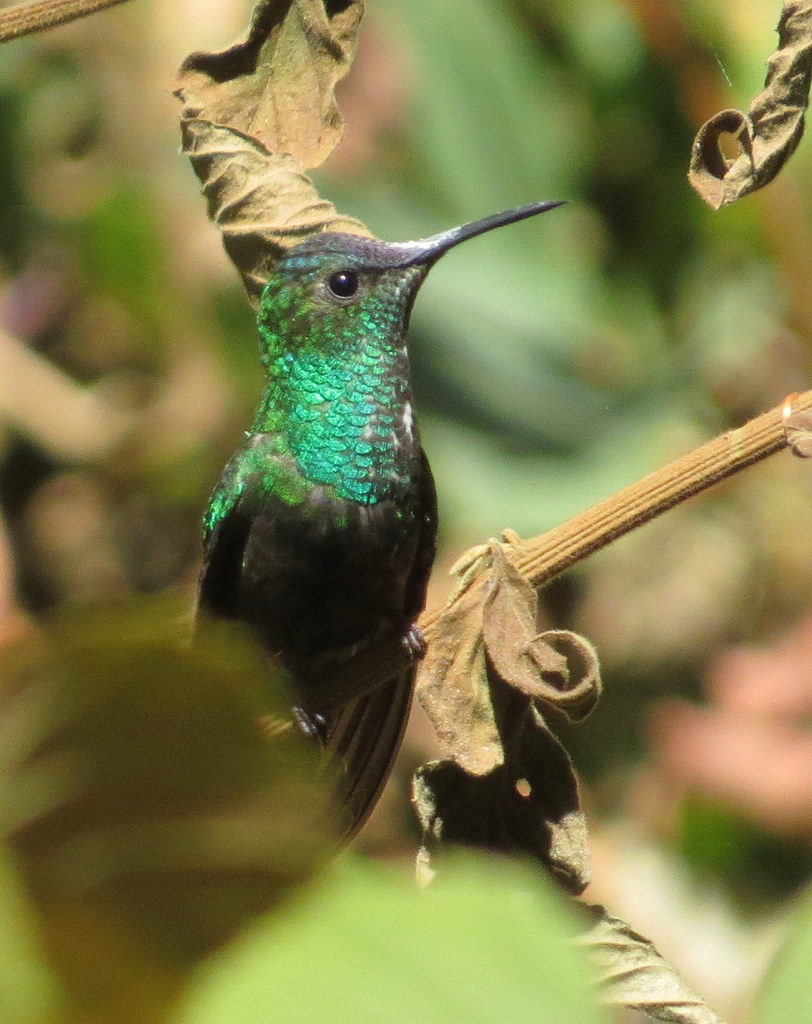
{"points": [[729, 146], [523, 788]]}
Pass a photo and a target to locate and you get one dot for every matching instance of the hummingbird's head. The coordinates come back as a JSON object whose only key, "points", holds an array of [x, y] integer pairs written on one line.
{"points": [[333, 288]]}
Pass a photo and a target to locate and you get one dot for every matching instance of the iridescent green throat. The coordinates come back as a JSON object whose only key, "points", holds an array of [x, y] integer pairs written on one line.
{"points": [[337, 393]]}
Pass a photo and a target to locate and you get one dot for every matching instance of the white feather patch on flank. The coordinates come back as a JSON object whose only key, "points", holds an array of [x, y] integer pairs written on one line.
{"points": [[408, 420]]}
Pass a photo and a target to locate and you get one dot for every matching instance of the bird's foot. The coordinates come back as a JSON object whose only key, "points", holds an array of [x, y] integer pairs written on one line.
{"points": [[311, 723], [414, 642]]}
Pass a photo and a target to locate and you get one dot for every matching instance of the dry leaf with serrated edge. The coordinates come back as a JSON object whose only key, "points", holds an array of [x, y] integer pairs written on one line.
{"points": [[634, 975], [257, 116], [508, 784], [771, 129]]}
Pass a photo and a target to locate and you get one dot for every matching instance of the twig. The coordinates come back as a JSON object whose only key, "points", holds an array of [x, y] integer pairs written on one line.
{"points": [[25, 19], [548, 555], [551, 553], [71, 420]]}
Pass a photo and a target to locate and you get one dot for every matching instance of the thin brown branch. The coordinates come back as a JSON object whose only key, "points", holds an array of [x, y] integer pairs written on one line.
{"points": [[551, 553], [555, 551], [71, 420], [25, 19]]}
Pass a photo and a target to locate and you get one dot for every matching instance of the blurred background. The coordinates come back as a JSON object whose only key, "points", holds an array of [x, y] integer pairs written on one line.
{"points": [[554, 362]]}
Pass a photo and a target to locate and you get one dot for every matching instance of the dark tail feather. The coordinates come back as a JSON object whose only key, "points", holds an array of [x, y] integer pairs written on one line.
{"points": [[364, 738]]}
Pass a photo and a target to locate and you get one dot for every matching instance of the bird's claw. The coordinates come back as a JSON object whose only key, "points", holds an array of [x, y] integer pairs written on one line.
{"points": [[414, 642]]}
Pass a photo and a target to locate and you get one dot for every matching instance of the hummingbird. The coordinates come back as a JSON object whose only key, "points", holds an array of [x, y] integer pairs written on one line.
{"points": [[320, 533]]}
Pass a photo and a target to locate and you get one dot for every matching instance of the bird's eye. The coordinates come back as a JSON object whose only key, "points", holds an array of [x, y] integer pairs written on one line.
{"points": [[343, 284]]}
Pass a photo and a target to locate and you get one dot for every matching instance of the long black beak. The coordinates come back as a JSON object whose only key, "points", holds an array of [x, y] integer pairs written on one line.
{"points": [[428, 250]]}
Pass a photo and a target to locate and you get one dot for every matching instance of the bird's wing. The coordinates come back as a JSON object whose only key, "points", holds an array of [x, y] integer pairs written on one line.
{"points": [[361, 738], [364, 737], [365, 734], [223, 548]]}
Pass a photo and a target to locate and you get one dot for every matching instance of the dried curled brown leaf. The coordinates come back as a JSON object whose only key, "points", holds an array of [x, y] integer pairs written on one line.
{"points": [[277, 84], [490, 634], [257, 116], [527, 805], [261, 202], [507, 782], [634, 975], [556, 667], [769, 132]]}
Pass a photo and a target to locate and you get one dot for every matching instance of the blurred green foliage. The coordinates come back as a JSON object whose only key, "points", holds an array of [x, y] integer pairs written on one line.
{"points": [[487, 941], [146, 808], [785, 997], [760, 867]]}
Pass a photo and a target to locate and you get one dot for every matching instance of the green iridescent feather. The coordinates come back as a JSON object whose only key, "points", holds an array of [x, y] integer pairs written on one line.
{"points": [[335, 377]]}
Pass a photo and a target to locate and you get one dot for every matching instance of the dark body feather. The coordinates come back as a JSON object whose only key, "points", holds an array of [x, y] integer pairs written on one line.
{"points": [[318, 581]]}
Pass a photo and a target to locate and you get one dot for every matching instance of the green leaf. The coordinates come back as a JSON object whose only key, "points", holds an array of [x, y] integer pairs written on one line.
{"points": [[154, 799], [27, 989], [787, 994], [489, 940]]}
